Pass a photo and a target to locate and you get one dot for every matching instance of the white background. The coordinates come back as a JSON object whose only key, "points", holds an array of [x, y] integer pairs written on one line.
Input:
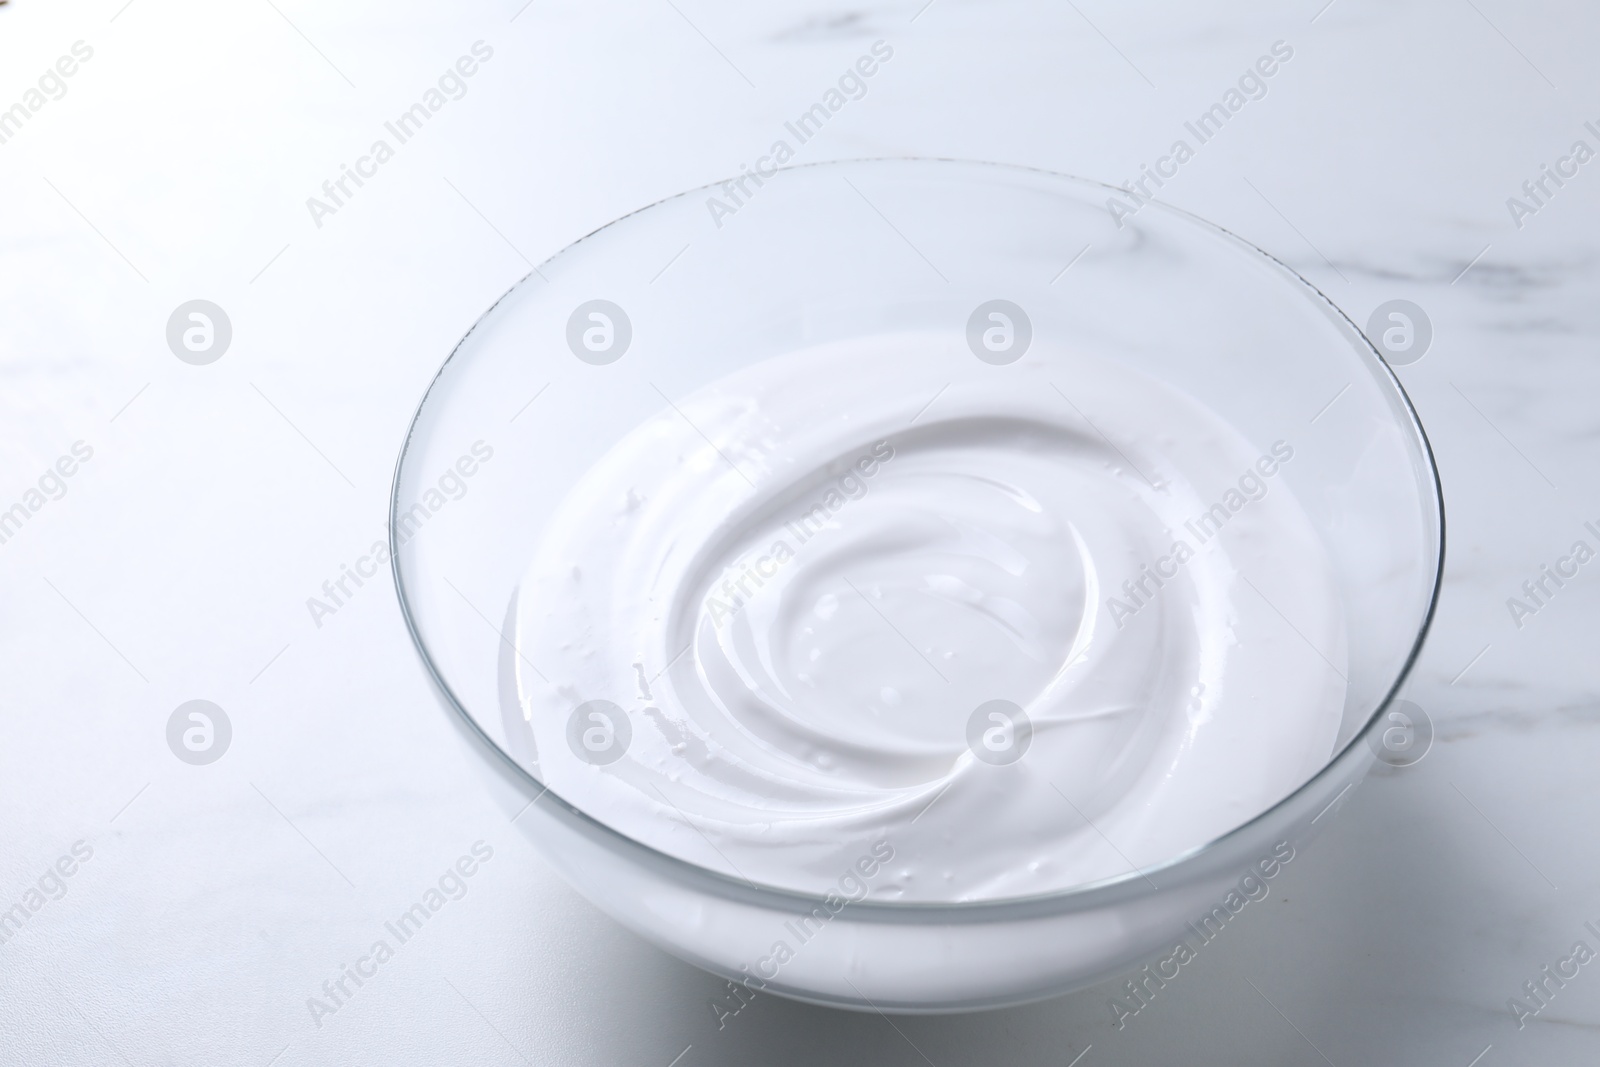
{"points": [[178, 563]]}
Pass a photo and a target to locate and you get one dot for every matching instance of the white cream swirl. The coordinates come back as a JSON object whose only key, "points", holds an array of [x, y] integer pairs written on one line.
{"points": [[801, 583]]}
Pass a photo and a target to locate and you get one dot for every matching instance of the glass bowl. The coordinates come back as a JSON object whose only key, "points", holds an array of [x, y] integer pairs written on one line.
{"points": [[663, 301]]}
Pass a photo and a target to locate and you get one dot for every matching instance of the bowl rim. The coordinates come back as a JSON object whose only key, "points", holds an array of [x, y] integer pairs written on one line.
{"points": [[1135, 883]]}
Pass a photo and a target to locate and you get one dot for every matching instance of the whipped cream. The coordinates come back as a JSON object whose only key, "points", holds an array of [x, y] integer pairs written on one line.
{"points": [[1033, 626]]}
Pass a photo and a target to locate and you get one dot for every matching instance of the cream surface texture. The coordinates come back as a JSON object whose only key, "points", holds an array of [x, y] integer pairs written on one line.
{"points": [[1032, 626]]}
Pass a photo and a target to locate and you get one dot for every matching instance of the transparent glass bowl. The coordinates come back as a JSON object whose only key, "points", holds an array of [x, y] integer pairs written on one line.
{"points": [[712, 280]]}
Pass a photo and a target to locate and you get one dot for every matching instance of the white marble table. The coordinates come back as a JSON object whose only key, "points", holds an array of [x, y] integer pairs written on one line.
{"points": [[176, 563]]}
